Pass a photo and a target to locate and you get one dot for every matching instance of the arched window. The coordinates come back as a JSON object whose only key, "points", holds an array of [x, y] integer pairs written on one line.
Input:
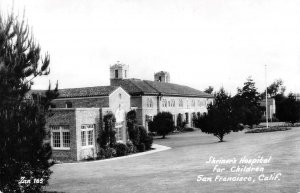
{"points": [[193, 102], [173, 103], [180, 103], [164, 103], [149, 102]]}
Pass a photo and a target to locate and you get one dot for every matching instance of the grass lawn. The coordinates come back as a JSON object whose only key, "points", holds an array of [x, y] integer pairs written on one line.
{"points": [[176, 170]]}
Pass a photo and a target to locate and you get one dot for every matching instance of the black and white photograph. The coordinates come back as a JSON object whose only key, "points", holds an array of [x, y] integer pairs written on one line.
{"points": [[172, 96]]}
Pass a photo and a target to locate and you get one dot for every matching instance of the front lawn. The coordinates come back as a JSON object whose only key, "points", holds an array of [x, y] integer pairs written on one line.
{"points": [[177, 170]]}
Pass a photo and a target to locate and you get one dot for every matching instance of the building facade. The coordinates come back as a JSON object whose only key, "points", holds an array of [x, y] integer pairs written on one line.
{"points": [[77, 113], [151, 97], [77, 116], [271, 108]]}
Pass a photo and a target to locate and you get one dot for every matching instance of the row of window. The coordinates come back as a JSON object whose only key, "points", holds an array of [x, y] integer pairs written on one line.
{"points": [[149, 103], [61, 136], [171, 103]]}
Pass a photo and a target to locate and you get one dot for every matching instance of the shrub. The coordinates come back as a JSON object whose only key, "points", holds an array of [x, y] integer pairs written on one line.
{"points": [[121, 149], [101, 154], [130, 147], [148, 142], [141, 147], [145, 138], [107, 135], [163, 123], [110, 152], [270, 129], [133, 131]]}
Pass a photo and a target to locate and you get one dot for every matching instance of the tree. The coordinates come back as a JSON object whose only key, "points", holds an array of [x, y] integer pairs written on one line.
{"points": [[289, 109], [209, 90], [276, 88], [179, 121], [137, 133], [133, 131], [219, 119], [246, 105], [163, 123], [24, 151], [107, 135]]}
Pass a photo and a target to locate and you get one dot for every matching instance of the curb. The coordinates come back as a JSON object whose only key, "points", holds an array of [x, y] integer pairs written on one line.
{"points": [[157, 148]]}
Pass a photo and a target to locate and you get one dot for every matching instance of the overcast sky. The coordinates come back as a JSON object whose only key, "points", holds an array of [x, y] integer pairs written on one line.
{"points": [[200, 42]]}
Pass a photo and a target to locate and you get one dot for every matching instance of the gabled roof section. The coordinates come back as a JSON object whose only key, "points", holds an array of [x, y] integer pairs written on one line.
{"points": [[86, 91], [176, 89], [80, 92], [146, 87]]}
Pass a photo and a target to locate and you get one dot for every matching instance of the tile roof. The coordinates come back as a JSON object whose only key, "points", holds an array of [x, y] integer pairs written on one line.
{"points": [[133, 87], [86, 91], [81, 92], [142, 87]]}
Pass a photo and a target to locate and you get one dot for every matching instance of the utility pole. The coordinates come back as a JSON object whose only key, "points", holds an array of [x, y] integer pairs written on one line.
{"points": [[266, 96]]}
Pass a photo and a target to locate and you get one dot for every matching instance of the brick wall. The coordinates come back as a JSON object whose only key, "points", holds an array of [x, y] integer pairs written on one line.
{"points": [[64, 117]]}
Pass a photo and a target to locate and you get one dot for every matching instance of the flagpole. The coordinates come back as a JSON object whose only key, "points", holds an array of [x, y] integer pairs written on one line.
{"points": [[266, 96]]}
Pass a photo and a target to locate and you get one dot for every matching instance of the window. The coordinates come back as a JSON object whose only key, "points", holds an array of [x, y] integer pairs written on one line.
{"points": [[120, 96], [87, 135], [180, 103], [116, 74], [60, 136], [169, 103], [90, 137], [149, 102], [68, 105], [164, 103], [172, 103], [193, 102], [125, 73]]}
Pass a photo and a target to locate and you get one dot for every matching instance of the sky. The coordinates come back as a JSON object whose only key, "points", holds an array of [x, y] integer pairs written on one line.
{"points": [[200, 43]]}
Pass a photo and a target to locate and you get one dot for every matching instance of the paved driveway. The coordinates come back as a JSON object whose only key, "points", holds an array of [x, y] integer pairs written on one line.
{"points": [[177, 169]]}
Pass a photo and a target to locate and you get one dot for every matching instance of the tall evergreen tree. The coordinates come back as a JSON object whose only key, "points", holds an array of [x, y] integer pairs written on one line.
{"points": [[107, 135], [133, 130], [219, 120], [23, 150], [246, 105]]}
